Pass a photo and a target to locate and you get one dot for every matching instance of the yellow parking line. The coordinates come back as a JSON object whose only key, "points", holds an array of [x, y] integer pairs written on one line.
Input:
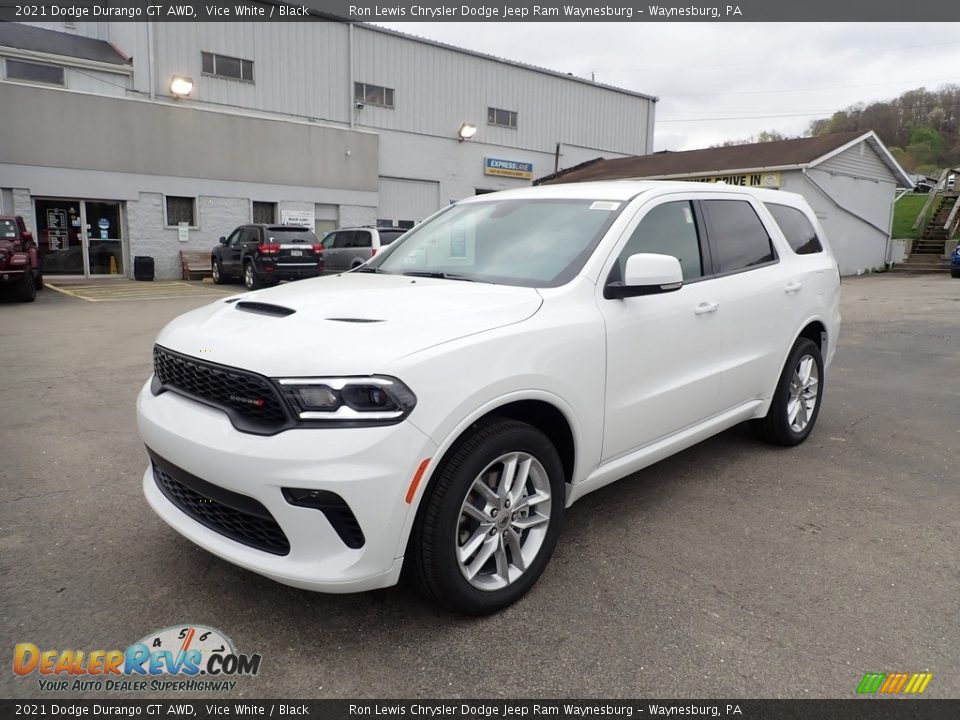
{"points": [[158, 291]]}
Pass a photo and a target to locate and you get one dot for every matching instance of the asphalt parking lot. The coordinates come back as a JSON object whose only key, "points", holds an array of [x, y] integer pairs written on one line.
{"points": [[731, 570]]}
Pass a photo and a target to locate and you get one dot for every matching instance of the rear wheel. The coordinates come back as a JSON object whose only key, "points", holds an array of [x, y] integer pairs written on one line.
{"points": [[38, 280], [250, 279], [796, 401], [489, 524], [954, 273]]}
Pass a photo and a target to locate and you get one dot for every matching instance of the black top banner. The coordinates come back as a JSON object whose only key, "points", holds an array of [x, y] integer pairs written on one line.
{"points": [[482, 10], [241, 709]]}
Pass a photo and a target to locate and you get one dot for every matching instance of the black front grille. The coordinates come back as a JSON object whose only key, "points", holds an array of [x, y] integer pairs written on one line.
{"points": [[238, 517], [251, 400]]}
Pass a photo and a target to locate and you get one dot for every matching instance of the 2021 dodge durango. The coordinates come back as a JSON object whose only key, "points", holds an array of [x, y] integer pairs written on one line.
{"points": [[438, 408]]}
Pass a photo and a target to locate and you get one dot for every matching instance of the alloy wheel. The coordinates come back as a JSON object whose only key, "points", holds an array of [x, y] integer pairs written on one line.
{"points": [[804, 389], [503, 521]]}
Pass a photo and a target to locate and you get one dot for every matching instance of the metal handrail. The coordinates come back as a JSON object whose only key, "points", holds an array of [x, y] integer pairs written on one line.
{"points": [[922, 217], [952, 219]]}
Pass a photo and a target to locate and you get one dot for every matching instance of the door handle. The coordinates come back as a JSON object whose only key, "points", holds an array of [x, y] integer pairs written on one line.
{"points": [[705, 307], [792, 287]]}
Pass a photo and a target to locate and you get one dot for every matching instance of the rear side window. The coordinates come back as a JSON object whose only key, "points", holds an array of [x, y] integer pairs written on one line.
{"points": [[796, 228], [668, 229], [737, 236], [343, 239], [362, 239], [388, 236], [250, 235]]}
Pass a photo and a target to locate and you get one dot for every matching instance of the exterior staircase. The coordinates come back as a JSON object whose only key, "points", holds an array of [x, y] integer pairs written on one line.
{"points": [[926, 255]]}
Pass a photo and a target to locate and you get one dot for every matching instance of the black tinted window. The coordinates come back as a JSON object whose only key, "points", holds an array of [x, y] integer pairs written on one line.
{"points": [[361, 238], [737, 235], [668, 229], [343, 239], [796, 228], [388, 236]]}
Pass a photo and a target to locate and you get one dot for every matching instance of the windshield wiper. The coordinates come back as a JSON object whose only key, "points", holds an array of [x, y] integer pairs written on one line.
{"points": [[439, 275]]}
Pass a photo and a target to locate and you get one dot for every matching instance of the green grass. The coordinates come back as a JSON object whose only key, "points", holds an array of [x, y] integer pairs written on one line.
{"points": [[905, 213]]}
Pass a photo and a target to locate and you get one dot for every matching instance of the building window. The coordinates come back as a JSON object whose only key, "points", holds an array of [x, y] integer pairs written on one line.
{"points": [[373, 95], [34, 72], [264, 213], [181, 210], [502, 118], [224, 66]]}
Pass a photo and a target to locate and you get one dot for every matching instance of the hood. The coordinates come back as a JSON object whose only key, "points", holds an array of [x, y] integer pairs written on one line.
{"points": [[355, 323]]}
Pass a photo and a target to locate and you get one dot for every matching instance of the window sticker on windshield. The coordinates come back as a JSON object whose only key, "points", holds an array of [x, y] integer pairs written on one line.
{"points": [[687, 215], [604, 205]]}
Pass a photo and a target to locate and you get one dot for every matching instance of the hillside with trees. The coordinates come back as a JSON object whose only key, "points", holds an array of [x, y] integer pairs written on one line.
{"points": [[921, 127]]}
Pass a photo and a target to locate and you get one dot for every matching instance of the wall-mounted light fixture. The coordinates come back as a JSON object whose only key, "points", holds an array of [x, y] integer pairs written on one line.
{"points": [[181, 86], [466, 131]]}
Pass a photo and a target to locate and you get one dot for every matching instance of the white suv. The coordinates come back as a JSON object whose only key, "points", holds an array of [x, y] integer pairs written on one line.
{"points": [[441, 406]]}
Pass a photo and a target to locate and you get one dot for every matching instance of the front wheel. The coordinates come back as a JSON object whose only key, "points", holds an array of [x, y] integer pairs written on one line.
{"points": [[796, 401], [27, 292], [489, 523], [954, 273], [216, 272]]}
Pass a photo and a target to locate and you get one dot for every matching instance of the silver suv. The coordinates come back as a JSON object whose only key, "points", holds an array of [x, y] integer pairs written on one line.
{"points": [[348, 248]]}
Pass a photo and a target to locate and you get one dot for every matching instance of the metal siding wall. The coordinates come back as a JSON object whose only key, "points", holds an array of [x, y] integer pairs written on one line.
{"points": [[407, 199], [851, 162], [95, 81], [438, 89], [300, 68]]}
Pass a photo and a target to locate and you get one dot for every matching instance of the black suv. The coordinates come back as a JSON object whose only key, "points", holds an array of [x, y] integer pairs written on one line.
{"points": [[266, 254]]}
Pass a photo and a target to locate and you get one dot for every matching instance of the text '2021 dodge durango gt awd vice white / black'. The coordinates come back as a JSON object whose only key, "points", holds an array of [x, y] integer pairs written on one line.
{"points": [[439, 407]]}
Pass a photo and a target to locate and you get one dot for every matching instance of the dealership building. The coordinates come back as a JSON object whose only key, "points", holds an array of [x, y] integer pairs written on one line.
{"points": [[850, 180], [129, 139]]}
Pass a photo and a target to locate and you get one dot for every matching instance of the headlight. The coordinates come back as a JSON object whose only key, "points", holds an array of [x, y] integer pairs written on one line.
{"points": [[349, 401]]}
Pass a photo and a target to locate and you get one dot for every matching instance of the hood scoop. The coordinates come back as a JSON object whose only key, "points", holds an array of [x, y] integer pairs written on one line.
{"points": [[354, 320], [260, 308]]}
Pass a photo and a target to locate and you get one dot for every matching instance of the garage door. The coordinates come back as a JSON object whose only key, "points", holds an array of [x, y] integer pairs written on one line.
{"points": [[406, 202]]}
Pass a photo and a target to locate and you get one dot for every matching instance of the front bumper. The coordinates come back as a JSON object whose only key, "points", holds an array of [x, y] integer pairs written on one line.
{"points": [[12, 275], [370, 468]]}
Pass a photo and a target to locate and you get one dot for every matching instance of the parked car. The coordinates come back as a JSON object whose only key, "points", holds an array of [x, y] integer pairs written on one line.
{"points": [[19, 259], [438, 408], [350, 247], [951, 181], [262, 255], [955, 262]]}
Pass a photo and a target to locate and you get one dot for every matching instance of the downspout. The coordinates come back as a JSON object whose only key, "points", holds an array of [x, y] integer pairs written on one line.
{"points": [[351, 110], [151, 60]]}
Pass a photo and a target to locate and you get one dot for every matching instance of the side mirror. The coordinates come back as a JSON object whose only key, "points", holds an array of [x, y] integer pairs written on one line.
{"points": [[27, 236], [223, 240], [646, 274]]}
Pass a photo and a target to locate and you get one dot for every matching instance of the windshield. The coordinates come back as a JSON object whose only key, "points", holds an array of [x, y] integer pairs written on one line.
{"points": [[526, 242], [290, 235], [7, 229]]}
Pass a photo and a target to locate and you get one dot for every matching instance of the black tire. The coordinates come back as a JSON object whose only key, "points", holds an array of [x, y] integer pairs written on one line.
{"points": [[216, 272], [38, 280], [954, 273], [27, 289], [251, 280], [776, 426], [434, 540]]}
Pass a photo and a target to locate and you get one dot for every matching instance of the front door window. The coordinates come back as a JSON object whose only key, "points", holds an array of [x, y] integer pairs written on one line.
{"points": [[104, 248]]}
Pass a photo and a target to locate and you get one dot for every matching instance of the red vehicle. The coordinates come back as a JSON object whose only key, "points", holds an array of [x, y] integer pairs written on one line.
{"points": [[19, 259]]}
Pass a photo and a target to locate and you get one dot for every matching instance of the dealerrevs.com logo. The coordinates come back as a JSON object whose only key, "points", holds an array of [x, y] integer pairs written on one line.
{"points": [[190, 658]]}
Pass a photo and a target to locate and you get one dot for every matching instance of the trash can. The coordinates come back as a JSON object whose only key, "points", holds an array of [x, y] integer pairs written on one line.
{"points": [[143, 268]]}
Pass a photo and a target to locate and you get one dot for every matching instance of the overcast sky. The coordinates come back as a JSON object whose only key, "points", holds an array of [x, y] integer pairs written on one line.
{"points": [[726, 81]]}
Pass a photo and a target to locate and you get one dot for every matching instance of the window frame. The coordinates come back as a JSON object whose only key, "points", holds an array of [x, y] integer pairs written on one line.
{"points": [[699, 224], [194, 225], [816, 234], [37, 63], [252, 80], [362, 98], [511, 115], [253, 211], [711, 239]]}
